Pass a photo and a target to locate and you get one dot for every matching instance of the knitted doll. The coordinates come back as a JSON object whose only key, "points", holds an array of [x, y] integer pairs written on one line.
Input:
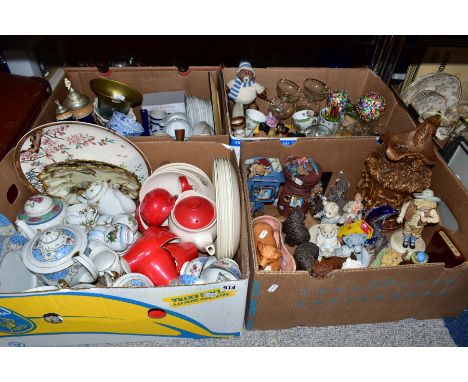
{"points": [[243, 90]]}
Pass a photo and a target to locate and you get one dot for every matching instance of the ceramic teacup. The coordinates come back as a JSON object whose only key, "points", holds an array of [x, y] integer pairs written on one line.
{"points": [[228, 265], [196, 266], [124, 125], [106, 260], [216, 275], [157, 117], [304, 119], [253, 118], [96, 236], [81, 214]]}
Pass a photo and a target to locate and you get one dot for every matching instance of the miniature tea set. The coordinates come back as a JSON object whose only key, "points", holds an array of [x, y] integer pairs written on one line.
{"points": [[325, 230], [101, 224], [313, 110]]}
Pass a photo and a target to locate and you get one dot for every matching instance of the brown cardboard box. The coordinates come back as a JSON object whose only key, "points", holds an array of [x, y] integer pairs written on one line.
{"points": [[110, 315], [196, 81], [282, 300], [357, 81]]}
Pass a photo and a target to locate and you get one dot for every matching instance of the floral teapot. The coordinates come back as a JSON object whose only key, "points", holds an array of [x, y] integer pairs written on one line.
{"points": [[40, 212], [108, 199]]}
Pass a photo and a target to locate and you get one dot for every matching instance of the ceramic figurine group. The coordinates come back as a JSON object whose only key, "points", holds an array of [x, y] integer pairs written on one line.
{"points": [[380, 226]]}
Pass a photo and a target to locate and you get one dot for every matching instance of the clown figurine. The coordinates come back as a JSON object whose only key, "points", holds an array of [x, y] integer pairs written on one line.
{"points": [[416, 214], [243, 90]]}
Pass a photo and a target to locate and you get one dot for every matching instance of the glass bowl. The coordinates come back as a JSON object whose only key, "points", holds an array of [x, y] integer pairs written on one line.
{"points": [[287, 91], [281, 110], [316, 90]]}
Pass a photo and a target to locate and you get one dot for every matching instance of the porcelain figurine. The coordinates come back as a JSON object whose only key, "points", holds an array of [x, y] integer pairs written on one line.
{"points": [[416, 214], [330, 214], [243, 90], [40, 212], [353, 209], [399, 167], [354, 243], [327, 240], [268, 254], [108, 199]]}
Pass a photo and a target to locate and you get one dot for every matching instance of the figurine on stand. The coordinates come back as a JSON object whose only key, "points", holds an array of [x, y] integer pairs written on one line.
{"points": [[416, 213], [243, 90]]}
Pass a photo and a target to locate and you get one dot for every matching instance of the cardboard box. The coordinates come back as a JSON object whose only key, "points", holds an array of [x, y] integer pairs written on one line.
{"points": [[357, 81], [282, 300], [205, 82], [110, 315]]}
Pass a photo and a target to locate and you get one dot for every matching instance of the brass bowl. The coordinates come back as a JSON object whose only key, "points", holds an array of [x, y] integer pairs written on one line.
{"points": [[114, 95]]}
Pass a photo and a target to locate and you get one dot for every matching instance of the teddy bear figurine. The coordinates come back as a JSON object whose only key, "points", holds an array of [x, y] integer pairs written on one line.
{"points": [[327, 240], [243, 90], [330, 213]]}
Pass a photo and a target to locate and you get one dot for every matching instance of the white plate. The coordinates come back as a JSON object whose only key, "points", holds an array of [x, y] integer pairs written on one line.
{"points": [[429, 100], [169, 180], [236, 210], [14, 276], [198, 172], [446, 84], [61, 141]]}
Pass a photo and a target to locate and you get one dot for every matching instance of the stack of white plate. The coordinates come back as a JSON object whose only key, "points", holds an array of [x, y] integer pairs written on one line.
{"points": [[228, 212], [199, 110]]}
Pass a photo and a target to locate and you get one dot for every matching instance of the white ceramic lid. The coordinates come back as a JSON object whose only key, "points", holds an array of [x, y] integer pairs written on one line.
{"points": [[40, 209], [52, 250]]}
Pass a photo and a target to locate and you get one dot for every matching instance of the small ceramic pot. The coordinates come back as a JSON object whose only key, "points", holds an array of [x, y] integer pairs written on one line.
{"points": [[156, 206], [59, 253], [81, 214], [124, 125], [40, 212], [324, 125], [194, 219], [127, 220], [108, 199], [118, 237], [178, 124]]}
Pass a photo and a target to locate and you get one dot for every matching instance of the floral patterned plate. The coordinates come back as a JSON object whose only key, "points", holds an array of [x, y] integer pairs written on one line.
{"points": [[66, 141], [446, 84]]}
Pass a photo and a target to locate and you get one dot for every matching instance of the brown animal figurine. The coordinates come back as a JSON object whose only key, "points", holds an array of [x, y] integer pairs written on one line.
{"points": [[268, 255], [322, 268]]}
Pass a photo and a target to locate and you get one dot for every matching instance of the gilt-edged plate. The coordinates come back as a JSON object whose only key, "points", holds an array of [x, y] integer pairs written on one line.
{"points": [[75, 141], [449, 86]]}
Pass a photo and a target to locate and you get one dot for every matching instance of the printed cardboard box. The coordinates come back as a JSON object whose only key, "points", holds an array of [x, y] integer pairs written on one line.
{"points": [[110, 315], [205, 82], [283, 300]]}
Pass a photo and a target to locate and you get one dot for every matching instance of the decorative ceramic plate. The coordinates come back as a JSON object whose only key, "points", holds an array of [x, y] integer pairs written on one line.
{"points": [[429, 100], [64, 141], [68, 179], [446, 84]]}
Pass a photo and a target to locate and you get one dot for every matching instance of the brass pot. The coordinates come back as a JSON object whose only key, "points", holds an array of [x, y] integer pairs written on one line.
{"points": [[114, 95]]}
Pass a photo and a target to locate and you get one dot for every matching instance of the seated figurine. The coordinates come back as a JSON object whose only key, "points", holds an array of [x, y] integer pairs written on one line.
{"points": [[327, 240], [330, 214]]}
